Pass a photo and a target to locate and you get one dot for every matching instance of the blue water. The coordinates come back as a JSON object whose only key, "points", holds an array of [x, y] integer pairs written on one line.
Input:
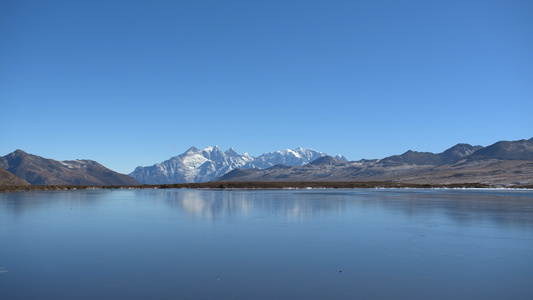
{"points": [[267, 244]]}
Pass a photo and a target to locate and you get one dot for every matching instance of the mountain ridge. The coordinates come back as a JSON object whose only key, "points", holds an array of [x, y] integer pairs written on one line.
{"points": [[428, 158], [509, 150], [504, 164]]}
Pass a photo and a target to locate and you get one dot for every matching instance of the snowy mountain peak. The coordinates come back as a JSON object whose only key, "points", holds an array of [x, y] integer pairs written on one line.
{"points": [[231, 152], [341, 157], [192, 150], [213, 153], [291, 152], [211, 148], [210, 163]]}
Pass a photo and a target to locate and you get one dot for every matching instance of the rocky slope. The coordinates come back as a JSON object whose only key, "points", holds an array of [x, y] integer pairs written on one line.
{"points": [[42, 171], [8, 178], [205, 165]]}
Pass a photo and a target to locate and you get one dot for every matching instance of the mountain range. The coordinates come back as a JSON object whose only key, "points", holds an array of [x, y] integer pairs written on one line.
{"points": [[501, 164], [37, 170], [208, 164], [505, 163]]}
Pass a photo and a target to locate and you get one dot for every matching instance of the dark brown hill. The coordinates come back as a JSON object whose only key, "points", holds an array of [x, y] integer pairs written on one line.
{"points": [[43, 171], [8, 178], [238, 173]]}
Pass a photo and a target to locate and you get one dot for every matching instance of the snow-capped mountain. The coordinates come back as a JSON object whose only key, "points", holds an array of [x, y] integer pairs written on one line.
{"points": [[296, 157], [205, 165]]}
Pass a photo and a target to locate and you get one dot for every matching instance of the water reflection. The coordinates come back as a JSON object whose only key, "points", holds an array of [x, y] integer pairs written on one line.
{"points": [[230, 203], [502, 207], [507, 208], [27, 201]]}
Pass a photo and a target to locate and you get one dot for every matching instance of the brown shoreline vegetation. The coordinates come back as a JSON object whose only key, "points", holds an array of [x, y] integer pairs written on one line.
{"points": [[254, 185]]}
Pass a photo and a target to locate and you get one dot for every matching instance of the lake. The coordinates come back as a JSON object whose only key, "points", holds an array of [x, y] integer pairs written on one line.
{"points": [[267, 244]]}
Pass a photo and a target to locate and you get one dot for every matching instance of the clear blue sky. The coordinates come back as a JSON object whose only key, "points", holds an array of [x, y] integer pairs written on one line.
{"points": [[131, 83]]}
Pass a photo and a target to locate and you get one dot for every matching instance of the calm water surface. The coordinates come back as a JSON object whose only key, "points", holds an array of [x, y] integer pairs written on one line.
{"points": [[273, 244]]}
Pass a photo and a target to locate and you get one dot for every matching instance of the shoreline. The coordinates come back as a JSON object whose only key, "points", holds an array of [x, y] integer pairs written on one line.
{"points": [[263, 185]]}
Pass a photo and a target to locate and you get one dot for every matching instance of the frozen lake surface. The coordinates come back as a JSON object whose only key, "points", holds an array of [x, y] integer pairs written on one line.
{"points": [[267, 244]]}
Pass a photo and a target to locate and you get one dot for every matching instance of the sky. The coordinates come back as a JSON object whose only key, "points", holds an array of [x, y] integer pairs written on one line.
{"points": [[133, 83]]}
